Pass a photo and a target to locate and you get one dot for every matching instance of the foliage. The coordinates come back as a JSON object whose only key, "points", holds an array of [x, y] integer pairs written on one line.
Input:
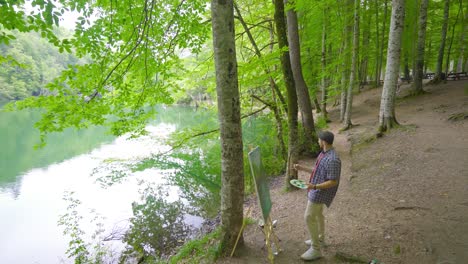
{"points": [[157, 227], [321, 122], [204, 250], [134, 49], [30, 62], [196, 174], [140, 54], [82, 248]]}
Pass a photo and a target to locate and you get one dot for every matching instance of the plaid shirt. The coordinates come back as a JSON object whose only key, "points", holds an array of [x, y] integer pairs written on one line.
{"points": [[328, 168]]}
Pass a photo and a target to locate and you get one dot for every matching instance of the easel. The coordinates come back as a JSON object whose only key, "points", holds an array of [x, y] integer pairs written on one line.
{"points": [[270, 240], [264, 201]]}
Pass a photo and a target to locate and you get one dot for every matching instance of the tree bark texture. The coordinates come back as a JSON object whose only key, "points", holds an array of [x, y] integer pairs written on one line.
{"points": [[303, 97], [449, 50], [382, 44], [274, 87], [418, 76], [365, 45], [387, 117], [440, 58], [324, 64], [346, 60], [352, 76], [461, 53], [232, 165], [293, 142]]}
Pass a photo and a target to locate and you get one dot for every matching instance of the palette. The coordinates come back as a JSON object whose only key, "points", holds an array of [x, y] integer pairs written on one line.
{"points": [[299, 184]]}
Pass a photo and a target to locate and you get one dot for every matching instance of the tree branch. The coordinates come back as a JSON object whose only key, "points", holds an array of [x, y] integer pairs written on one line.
{"points": [[183, 141]]}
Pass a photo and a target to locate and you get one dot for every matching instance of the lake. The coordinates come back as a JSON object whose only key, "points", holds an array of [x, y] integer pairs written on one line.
{"points": [[33, 183]]}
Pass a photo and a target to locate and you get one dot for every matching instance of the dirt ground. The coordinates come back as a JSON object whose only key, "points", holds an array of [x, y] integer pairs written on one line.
{"points": [[403, 198]]}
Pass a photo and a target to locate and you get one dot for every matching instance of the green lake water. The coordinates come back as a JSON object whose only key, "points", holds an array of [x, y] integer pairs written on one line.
{"points": [[33, 182]]}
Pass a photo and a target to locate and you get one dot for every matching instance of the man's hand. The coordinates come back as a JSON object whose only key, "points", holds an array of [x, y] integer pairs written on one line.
{"points": [[311, 186], [296, 166]]}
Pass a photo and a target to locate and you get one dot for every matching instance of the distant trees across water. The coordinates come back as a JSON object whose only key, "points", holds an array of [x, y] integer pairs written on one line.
{"points": [[30, 62]]}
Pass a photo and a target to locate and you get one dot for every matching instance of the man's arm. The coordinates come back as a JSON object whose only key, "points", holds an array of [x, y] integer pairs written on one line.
{"points": [[323, 185], [333, 176], [300, 167]]}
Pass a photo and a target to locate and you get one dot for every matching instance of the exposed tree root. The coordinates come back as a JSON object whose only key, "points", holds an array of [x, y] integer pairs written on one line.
{"points": [[388, 123], [346, 128], [458, 116]]}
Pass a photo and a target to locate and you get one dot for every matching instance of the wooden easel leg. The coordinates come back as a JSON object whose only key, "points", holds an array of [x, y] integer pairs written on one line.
{"points": [[268, 231], [274, 237]]}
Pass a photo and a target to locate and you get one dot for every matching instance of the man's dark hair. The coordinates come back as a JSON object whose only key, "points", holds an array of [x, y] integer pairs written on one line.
{"points": [[326, 136]]}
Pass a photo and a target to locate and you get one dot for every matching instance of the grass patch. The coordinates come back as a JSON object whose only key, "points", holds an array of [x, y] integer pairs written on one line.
{"points": [[458, 116], [355, 167], [204, 250], [320, 122], [249, 221], [362, 142], [466, 90]]}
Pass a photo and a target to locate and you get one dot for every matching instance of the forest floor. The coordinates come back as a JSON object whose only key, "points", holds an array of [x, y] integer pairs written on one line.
{"points": [[403, 198]]}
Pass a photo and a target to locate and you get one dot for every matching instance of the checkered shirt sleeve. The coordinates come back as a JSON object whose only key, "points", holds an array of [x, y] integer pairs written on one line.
{"points": [[334, 169]]}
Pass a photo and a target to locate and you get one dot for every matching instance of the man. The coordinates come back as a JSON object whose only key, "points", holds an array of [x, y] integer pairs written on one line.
{"points": [[322, 187]]}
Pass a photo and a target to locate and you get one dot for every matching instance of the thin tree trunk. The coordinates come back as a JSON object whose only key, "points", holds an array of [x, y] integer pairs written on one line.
{"points": [[279, 125], [346, 60], [303, 97], [315, 101], [387, 118], [447, 63], [273, 85], [232, 165], [377, 44], [407, 71], [461, 56], [429, 50], [440, 58], [293, 148], [365, 46], [349, 100], [324, 65], [382, 41], [418, 76]]}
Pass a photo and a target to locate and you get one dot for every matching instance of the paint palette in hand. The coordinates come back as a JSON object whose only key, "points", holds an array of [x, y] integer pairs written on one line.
{"points": [[299, 184]]}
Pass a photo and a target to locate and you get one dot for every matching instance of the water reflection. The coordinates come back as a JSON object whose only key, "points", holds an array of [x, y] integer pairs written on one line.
{"points": [[31, 206]]}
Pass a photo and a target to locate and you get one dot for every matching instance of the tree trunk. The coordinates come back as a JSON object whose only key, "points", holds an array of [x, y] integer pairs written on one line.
{"points": [[303, 97], [461, 56], [418, 76], [365, 47], [406, 71], [447, 63], [274, 87], [316, 103], [440, 58], [345, 64], [387, 118], [232, 165], [279, 126], [293, 148], [377, 44], [324, 65], [429, 50], [382, 41], [352, 78]]}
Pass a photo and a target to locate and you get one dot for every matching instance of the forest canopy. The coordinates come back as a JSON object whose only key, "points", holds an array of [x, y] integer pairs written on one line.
{"points": [[30, 63]]}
